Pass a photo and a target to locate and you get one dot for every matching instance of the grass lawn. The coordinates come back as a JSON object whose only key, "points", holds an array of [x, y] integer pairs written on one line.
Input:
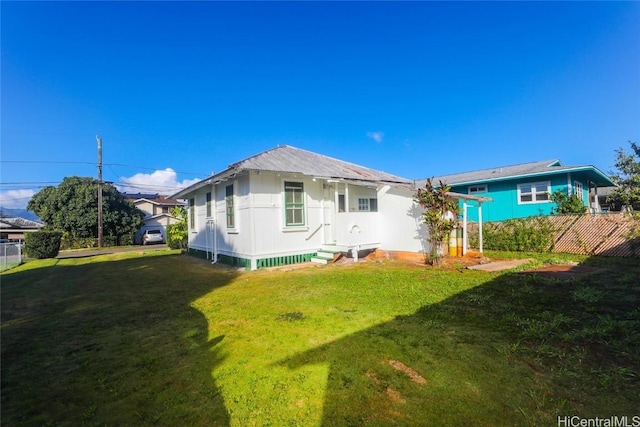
{"points": [[158, 338]]}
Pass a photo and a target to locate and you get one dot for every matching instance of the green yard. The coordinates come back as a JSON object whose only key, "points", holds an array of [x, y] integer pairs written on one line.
{"points": [[160, 338]]}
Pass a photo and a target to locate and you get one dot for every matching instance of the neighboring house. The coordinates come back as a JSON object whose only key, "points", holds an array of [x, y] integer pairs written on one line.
{"points": [[524, 190], [288, 205], [157, 210], [14, 228]]}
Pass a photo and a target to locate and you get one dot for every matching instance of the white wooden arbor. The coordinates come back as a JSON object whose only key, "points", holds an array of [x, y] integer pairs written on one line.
{"points": [[465, 205]]}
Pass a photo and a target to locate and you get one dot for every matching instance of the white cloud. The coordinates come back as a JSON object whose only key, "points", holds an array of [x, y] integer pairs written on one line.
{"points": [[160, 181], [376, 136], [15, 199]]}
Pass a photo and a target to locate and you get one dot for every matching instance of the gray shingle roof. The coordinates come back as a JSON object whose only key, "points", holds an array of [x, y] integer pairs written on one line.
{"points": [[295, 160], [513, 171], [19, 223]]}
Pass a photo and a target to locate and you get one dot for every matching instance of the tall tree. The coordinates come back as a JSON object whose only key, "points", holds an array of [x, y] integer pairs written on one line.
{"points": [[72, 207], [627, 177]]}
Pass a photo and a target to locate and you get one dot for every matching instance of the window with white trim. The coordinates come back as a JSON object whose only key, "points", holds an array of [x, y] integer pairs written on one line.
{"points": [[535, 192], [367, 205], [577, 190], [293, 203], [475, 189], [209, 205], [228, 199]]}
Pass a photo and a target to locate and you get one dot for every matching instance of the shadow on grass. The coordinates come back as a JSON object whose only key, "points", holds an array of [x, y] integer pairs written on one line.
{"points": [[517, 350], [111, 343]]}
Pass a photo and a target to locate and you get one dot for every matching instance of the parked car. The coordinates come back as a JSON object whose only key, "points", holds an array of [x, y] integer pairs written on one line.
{"points": [[152, 235]]}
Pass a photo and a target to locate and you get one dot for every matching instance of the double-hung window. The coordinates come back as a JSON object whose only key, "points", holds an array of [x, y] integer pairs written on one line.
{"points": [[228, 199], [192, 213], [535, 192], [293, 203]]}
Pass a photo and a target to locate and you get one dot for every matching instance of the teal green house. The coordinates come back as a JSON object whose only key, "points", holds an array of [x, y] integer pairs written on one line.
{"points": [[524, 190]]}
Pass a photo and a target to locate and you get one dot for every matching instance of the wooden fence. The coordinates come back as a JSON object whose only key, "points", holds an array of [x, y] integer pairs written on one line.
{"points": [[600, 234]]}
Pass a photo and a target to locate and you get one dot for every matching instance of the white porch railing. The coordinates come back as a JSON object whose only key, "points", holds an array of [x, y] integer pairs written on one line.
{"points": [[357, 229]]}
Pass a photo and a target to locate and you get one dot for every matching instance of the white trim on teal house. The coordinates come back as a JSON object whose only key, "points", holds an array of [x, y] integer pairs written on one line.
{"points": [[523, 190]]}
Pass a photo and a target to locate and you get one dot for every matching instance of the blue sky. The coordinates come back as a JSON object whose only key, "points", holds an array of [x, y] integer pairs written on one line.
{"points": [[179, 90]]}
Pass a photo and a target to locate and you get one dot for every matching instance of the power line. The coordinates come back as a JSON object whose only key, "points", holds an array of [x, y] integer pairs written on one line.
{"points": [[153, 169], [95, 164], [39, 184], [47, 161], [29, 182]]}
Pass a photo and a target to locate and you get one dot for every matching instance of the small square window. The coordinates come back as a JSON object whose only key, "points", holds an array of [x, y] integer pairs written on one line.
{"points": [[363, 205], [474, 189]]}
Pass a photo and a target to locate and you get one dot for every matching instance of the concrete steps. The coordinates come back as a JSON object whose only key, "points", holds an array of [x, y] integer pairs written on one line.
{"points": [[326, 255]]}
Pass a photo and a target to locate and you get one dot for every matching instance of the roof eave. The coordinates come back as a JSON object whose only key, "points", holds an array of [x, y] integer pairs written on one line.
{"points": [[605, 179]]}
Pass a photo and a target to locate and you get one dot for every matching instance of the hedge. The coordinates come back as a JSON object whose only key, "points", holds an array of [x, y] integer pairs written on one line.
{"points": [[42, 244]]}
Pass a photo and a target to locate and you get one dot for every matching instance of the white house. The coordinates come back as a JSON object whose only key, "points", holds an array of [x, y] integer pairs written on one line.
{"points": [[288, 205], [157, 212], [14, 228]]}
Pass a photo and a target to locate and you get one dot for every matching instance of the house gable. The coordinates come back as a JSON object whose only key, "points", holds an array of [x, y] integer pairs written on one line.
{"points": [[153, 204]]}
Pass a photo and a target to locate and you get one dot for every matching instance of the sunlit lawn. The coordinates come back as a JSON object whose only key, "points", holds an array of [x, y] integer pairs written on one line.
{"points": [[165, 339]]}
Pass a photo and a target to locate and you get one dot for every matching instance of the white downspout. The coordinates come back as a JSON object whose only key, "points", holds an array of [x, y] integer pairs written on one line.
{"points": [[322, 212], [206, 237], [480, 225], [465, 237], [215, 223]]}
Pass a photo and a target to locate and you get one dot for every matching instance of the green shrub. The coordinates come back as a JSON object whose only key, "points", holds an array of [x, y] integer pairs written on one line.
{"points": [[177, 235], [567, 204], [42, 244], [533, 234], [70, 242]]}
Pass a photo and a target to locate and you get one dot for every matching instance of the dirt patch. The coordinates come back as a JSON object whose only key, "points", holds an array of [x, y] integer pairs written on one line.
{"points": [[564, 271], [501, 265], [395, 395], [399, 366]]}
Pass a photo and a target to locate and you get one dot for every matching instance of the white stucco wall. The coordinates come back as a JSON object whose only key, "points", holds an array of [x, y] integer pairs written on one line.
{"points": [[401, 226], [260, 230]]}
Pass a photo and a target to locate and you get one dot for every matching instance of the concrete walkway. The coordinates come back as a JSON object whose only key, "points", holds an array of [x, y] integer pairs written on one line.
{"points": [[501, 265]]}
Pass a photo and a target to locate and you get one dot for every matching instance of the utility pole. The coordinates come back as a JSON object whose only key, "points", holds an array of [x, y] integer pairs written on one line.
{"points": [[99, 191]]}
